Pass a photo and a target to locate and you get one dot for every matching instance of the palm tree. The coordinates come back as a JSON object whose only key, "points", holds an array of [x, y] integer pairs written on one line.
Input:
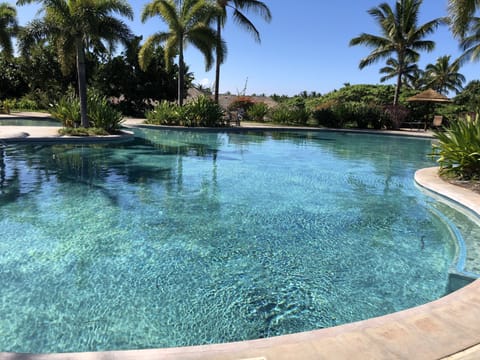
{"points": [[73, 27], [392, 70], [8, 27], [401, 36], [461, 13], [238, 7], [443, 76], [466, 27], [187, 22]]}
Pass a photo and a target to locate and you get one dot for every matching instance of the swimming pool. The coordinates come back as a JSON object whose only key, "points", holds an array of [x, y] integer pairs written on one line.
{"points": [[183, 238], [29, 122]]}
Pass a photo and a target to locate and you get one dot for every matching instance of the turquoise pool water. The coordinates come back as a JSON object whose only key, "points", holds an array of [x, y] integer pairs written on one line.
{"points": [[29, 122], [183, 238]]}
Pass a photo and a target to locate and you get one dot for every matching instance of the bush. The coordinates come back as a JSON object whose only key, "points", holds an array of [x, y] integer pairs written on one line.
{"points": [[202, 111], [26, 104], [101, 113], [81, 131], [165, 113], [257, 112], [325, 116], [281, 114], [67, 110], [458, 149]]}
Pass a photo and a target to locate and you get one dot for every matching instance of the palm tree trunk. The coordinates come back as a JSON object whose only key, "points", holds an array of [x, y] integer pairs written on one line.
{"points": [[398, 87], [82, 84], [217, 59], [181, 75]]}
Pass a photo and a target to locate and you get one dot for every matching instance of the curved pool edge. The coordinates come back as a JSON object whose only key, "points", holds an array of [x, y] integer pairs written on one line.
{"points": [[442, 329]]}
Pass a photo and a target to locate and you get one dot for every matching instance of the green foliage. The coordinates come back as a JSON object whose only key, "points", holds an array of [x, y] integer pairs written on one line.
{"points": [[81, 131], [257, 112], [325, 116], [202, 111], [26, 104], [351, 113], [378, 94], [458, 149], [136, 89], [101, 113], [469, 98], [67, 110], [289, 115], [165, 113]]}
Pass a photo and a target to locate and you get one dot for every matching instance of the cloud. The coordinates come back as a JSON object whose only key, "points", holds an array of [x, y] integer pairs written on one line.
{"points": [[205, 82]]}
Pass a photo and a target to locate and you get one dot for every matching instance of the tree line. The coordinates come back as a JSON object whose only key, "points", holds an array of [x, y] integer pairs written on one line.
{"points": [[78, 31]]}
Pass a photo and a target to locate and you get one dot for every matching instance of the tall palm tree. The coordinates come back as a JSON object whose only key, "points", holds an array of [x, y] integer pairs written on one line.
{"points": [[401, 36], [461, 13], [238, 7], [74, 26], [187, 22], [443, 76], [8, 27]]}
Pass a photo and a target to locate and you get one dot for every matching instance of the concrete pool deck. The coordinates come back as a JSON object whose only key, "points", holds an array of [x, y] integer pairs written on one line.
{"points": [[448, 328]]}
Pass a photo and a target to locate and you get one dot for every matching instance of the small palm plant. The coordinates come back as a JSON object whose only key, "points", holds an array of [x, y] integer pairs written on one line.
{"points": [[458, 149]]}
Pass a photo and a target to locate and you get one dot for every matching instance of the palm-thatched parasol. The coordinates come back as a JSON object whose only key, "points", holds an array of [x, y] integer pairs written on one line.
{"points": [[429, 95]]}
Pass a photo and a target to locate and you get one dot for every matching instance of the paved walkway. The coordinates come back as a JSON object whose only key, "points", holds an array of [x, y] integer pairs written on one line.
{"points": [[448, 328]]}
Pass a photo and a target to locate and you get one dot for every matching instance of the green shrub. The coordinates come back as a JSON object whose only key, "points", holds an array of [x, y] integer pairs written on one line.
{"points": [[458, 149], [67, 110], [281, 114], [165, 113], [324, 115], [81, 131], [26, 104], [7, 105], [101, 113], [202, 111], [257, 112]]}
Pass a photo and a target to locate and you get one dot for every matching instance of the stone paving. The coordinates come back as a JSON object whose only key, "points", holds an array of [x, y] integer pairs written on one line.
{"points": [[448, 328]]}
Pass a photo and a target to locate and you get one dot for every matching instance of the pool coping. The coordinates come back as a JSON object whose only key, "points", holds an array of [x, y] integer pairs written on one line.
{"points": [[445, 328]]}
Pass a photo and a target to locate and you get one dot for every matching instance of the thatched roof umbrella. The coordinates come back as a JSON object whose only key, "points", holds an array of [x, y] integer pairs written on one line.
{"points": [[429, 95]]}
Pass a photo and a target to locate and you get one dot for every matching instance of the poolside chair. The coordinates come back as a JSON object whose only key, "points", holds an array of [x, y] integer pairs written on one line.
{"points": [[437, 122]]}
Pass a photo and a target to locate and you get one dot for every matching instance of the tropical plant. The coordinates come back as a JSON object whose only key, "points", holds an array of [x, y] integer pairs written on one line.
{"points": [[392, 68], [75, 26], [202, 111], [187, 22], [443, 76], [401, 36], [239, 7], [257, 111], [458, 149], [165, 113], [136, 89], [67, 110], [8, 27], [469, 98], [461, 13], [101, 113]]}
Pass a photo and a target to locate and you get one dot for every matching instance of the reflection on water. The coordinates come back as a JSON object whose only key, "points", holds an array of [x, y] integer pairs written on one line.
{"points": [[183, 238]]}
